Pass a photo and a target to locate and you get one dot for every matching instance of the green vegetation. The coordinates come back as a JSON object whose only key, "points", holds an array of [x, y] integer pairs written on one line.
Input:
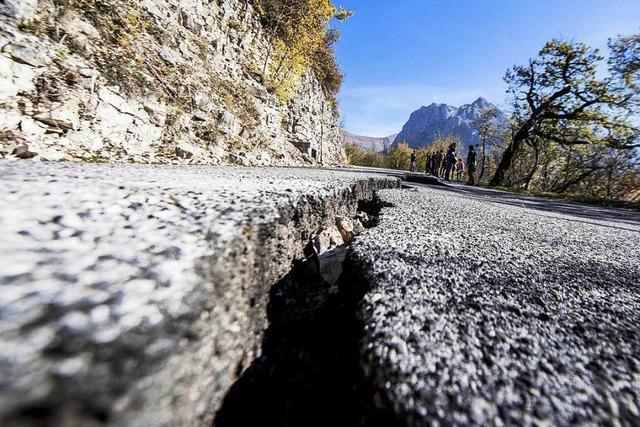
{"points": [[300, 40], [358, 157], [399, 156], [573, 129]]}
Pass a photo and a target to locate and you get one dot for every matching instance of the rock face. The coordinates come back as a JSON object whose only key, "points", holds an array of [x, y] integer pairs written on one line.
{"points": [[487, 308], [368, 143], [137, 295], [438, 120], [152, 82]]}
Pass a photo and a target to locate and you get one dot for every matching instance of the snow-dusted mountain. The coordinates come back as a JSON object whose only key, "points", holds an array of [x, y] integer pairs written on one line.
{"points": [[368, 143], [428, 123]]}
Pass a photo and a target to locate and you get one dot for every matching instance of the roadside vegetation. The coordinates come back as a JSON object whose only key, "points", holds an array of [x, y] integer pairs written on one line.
{"points": [[301, 38], [399, 156], [573, 129]]}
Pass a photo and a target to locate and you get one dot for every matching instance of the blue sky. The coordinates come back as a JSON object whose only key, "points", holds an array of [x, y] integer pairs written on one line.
{"points": [[399, 55]]}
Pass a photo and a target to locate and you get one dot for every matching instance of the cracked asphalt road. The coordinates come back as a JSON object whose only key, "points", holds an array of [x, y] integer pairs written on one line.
{"points": [[483, 307], [488, 308], [134, 294]]}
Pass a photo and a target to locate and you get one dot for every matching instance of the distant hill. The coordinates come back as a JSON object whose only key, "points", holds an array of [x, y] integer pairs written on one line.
{"points": [[369, 143], [428, 123]]}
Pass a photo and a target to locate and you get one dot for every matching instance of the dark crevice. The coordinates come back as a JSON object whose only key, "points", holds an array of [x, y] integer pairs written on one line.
{"points": [[309, 372], [372, 208]]}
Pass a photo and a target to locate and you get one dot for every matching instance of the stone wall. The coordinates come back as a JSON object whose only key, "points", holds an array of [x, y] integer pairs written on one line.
{"points": [[152, 81]]}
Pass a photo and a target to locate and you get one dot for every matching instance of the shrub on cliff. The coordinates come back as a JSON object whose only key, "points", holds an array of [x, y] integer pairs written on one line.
{"points": [[300, 40], [325, 66]]}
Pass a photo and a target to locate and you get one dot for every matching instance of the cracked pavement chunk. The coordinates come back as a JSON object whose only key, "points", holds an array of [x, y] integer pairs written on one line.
{"points": [[485, 308], [131, 294]]}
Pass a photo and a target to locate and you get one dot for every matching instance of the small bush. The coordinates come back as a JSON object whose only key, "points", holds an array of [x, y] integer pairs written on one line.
{"points": [[301, 41]]}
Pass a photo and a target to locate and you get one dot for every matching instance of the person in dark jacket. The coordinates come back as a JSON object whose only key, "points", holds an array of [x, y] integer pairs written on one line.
{"points": [[414, 160], [437, 163], [427, 164], [450, 160], [434, 161], [471, 165]]}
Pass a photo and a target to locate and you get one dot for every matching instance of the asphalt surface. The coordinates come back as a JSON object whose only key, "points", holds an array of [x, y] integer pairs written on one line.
{"points": [[488, 308], [136, 294]]}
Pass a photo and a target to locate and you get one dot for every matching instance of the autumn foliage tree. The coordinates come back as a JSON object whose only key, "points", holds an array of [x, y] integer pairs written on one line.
{"points": [[358, 157], [559, 97], [300, 39], [487, 127], [398, 157]]}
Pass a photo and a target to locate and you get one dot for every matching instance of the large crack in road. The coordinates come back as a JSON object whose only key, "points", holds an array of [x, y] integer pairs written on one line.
{"points": [[135, 295], [145, 301], [309, 372]]}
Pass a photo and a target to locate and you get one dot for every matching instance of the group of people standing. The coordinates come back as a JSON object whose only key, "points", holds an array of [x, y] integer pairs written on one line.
{"points": [[445, 165]]}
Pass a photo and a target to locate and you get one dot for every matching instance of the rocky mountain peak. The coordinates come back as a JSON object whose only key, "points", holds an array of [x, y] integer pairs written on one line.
{"points": [[428, 123], [481, 102]]}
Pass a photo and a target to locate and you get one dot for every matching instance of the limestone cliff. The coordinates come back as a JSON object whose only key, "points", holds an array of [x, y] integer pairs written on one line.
{"points": [[152, 81]]}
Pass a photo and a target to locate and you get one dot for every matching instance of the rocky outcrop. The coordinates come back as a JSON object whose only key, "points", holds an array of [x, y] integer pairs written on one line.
{"points": [[368, 143], [152, 82], [144, 298], [440, 120]]}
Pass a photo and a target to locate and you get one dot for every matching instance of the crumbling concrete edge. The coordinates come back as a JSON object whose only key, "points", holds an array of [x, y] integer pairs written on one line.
{"points": [[253, 264], [223, 334]]}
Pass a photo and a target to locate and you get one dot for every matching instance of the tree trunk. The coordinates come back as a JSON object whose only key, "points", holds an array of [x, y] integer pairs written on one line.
{"points": [[271, 40], [507, 160], [565, 186], [534, 169], [484, 157], [567, 164], [609, 182], [280, 66], [266, 63]]}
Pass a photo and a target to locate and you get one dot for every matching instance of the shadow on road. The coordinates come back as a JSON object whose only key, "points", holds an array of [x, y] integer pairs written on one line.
{"points": [[308, 373]]}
